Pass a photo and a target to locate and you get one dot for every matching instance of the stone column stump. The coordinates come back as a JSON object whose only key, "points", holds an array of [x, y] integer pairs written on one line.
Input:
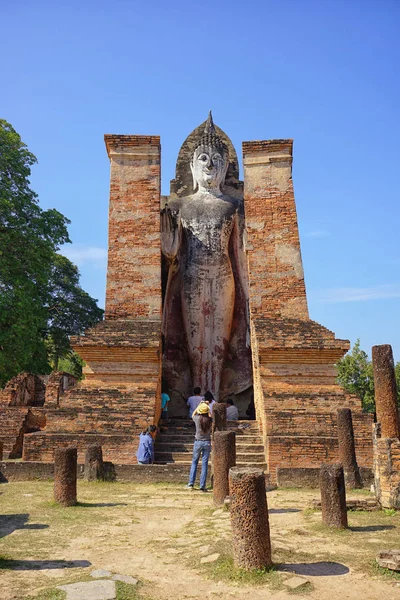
{"points": [[65, 468], [347, 451], [385, 391], [249, 518], [224, 457], [219, 417], [333, 496], [94, 468]]}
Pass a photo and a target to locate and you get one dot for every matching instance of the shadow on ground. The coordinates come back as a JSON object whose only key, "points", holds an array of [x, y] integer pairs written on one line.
{"points": [[281, 511], [317, 569], [372, 528], [100, 504], [9, 523], [38, 565]]}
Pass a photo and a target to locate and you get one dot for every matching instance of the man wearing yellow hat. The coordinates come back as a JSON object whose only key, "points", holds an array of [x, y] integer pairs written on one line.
{"points": [[202, 445]]}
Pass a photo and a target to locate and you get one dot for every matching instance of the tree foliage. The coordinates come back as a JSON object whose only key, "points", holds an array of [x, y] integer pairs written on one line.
{"points": [[35, 282], [355, 374], [70, 309]]}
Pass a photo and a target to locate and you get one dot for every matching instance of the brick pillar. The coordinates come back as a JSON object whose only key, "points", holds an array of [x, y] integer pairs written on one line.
{"points": [[94, 468], [224, 457], [65, 466], [249, 519], [276, 277], [385, 391], [134, 256], [219, 417], [333, 496], [347, 451]]}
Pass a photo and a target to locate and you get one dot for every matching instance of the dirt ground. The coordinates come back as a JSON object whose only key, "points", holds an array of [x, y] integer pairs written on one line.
{"points": [[159, 534]]}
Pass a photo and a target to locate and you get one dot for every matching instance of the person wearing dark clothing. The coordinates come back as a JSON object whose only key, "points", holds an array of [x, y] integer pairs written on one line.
{"points": [[145, 452], [209, 398], [251, 409], [202, 445]]}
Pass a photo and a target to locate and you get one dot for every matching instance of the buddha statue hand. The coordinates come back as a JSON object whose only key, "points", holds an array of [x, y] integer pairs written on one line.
{"points": [[170, 232]]}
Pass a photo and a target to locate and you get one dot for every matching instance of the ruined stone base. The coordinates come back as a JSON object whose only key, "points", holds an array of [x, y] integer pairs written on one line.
{"points": [[386, 469], [309, 478], [117, 400], [297, 397], [15, 422], [117, 448], [29, 471]]}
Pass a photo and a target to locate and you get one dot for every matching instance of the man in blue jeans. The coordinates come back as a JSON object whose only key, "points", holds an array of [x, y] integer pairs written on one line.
{"points": [[202, 445]]}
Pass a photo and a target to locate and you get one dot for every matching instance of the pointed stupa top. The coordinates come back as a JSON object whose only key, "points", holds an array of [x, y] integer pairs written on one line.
{"points": [[211, 138], [209, 126]]}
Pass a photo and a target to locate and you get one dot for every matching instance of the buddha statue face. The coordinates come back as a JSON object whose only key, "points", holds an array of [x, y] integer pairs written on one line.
{"points": [[208, 166]]}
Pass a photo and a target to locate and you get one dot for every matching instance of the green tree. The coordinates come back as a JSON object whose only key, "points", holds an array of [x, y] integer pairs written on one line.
{"points": [[71, 363], [29, 265], [70, 309], [355, 374]]}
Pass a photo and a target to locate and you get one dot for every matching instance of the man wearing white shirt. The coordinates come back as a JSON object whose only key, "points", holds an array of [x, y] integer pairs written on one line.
{"points": [[194, 401], [232, 413]]}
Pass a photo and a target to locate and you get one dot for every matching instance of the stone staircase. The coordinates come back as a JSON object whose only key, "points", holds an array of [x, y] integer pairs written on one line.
{"points": [[174, 443]]}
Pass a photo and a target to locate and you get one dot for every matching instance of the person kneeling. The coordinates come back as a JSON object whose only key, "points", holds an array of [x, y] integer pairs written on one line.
{"points": [[145, 452]]}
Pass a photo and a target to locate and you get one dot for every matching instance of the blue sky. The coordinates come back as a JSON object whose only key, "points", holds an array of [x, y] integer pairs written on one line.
{"points": [[323, 72]]}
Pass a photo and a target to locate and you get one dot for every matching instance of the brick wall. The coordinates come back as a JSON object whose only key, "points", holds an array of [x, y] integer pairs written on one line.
{"points": [[276, 275], [386, 469], [295, 389], [25, 389], [58, 383], [134, 257], [120, 395]]}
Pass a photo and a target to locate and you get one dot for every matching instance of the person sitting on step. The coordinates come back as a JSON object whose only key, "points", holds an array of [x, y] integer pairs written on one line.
{"points": [[145, 452], [232, 413]]}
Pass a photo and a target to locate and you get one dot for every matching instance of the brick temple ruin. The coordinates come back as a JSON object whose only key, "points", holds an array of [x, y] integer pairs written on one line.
{"points": [[274, 351]]}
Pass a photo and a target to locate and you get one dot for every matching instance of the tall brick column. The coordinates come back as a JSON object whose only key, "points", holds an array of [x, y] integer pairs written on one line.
{"points": [[134, 257], [224, 457], [94, 467], [219, 417], [65, 473], [276, 275], [333, 496], [386, 433], [347, 451], [385, 391]]}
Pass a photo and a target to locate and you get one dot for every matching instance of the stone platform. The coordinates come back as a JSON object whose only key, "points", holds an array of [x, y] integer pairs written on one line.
{"points": [[297, 396]]}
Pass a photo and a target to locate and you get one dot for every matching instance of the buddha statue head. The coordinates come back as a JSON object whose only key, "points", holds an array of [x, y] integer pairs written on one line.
{"points": [[210, 160]]}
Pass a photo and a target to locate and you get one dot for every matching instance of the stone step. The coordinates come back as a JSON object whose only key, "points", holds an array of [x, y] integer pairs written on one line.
{"points": [[163, 438], [256, 465], [180, 446], [256, 457], [183, 423]]}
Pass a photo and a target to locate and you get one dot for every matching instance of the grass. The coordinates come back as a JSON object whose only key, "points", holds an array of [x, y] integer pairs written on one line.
{"points": [[125, 591], [126, 520], [225, 570], [304, 589], [385, 573], [50, 594]]}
